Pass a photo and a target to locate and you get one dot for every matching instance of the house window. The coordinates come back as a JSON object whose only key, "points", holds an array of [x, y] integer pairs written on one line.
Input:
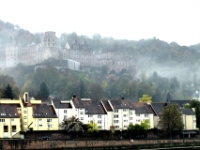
{"points": [[146, 115], [116, 116], [49, 120], [49, 125], [14, 128], [138, 115], [116, 127], [40, 125], [25, 117], [99, 116], [2, 120], [12, 120], [65, 111], [124, 110], [131, 118], [82, 118], [5, 128], [99, 122], [40, 119], [125, 115], [115, 110], [81, 113], [24, 111], [116, 121], [89, 116], [65, 116], [125, 120], [99, 127]]}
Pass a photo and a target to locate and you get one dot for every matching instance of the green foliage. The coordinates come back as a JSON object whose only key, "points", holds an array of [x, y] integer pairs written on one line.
{"points": [[92, 127], [44, 91], [8, 87], [171, 119], [196, 105], [72, 124], [145, 124], [136, 130], [145, 98], [116, 84], [8, 93]]}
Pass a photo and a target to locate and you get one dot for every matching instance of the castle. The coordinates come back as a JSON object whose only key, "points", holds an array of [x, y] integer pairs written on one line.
{"points": [[81, 55]]}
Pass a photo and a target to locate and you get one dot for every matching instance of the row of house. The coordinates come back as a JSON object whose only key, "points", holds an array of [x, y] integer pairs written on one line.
{"points": [[27, 114]]}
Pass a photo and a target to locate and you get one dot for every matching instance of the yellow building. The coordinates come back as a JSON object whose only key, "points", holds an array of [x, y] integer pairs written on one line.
{"points": [[10, 125], [37, 116], [25, 114]]}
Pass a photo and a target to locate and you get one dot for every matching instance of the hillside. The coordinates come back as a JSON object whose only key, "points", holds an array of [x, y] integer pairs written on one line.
{"points": [[162, 68]]}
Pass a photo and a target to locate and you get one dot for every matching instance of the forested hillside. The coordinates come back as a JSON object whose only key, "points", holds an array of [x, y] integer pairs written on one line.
{"points": [[164, 70], [14, 35]]}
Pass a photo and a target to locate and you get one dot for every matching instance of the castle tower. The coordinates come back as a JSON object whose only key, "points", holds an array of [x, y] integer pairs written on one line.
{"points": [[50, 39]]}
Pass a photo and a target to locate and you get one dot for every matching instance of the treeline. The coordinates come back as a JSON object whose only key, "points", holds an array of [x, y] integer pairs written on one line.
{"points": [[172, 63], [11, 34], [153, 50], [96, 85]]}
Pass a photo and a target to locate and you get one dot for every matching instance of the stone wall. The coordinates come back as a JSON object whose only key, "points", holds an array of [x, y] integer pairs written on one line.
{"points": [[59, 144]]}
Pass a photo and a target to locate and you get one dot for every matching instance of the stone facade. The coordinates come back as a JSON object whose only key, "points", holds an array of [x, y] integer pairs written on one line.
{"points": [[79, 52]]}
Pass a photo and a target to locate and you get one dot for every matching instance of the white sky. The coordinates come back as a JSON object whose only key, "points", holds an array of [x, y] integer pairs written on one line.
{"points": [[168, 20]]}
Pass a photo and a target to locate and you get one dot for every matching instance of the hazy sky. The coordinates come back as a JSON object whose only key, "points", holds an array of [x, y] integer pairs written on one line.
{"points": [[168, 20]]}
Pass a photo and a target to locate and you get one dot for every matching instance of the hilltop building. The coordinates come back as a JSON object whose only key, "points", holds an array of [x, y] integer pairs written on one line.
{"points": [[80, 55]]}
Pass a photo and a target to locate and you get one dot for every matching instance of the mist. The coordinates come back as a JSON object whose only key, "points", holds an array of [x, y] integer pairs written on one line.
{"points": [[102, 60]]}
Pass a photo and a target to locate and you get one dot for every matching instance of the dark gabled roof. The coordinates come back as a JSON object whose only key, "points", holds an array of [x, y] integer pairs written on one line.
{"points": [[187, 111], [9, 111], [180, 103], [158, 107], [43, 111], [77, 102], [119, 104], [61, 104], [142, 108], [106, 105], [93, 108]]}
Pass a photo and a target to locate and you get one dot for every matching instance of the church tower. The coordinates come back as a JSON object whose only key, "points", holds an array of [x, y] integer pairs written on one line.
{"points": [[50, 39]]}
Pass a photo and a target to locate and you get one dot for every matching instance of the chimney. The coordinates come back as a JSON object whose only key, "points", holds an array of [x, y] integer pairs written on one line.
{"points": [[74, 96]]}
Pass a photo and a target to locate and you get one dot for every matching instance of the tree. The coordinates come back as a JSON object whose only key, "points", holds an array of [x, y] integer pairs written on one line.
{"points": [[196, 105], [136, 130], [171, 119], [44, 91], [8, 92], [92, 127], [145, 124], [72, 124], [145, 98]]}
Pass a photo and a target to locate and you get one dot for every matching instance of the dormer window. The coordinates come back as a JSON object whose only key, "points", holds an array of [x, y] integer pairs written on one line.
{"points": [[26, 98]]}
